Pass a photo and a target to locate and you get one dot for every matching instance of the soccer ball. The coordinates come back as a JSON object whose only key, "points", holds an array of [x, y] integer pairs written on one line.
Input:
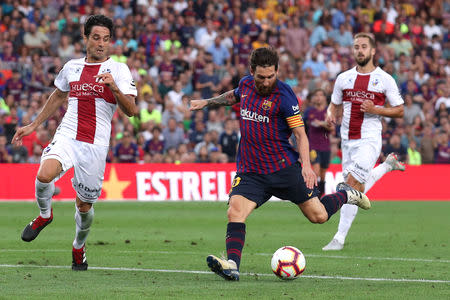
{"points": [[288, 263]]}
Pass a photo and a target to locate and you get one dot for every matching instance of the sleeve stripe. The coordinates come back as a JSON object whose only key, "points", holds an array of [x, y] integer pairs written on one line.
{"points": [[295, 121]]}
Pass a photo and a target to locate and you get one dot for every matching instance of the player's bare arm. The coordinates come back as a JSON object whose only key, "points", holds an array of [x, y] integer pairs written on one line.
{"points": [[126, 103], [226, 99], [334, 113], [56, 99], [303, 149], [392, 112]]}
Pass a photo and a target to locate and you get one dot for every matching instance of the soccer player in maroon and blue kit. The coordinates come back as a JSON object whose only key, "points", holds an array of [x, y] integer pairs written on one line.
{"points": [[318, 130], [267, 165]]}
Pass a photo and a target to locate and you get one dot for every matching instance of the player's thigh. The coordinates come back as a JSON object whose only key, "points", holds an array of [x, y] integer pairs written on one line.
{"points": [[56, 159], [240, 208], [361, 157], [289, 184], [314, 210], [49, 170], [251, 186], [89, 169]]}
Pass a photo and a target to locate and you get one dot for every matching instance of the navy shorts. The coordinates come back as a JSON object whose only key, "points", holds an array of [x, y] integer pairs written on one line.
{"points": [[286, 184], [320, 157]]}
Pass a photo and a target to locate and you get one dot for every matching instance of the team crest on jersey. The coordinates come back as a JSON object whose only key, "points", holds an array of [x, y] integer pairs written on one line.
{"points": [[106, 71], [267, 104], [375, 82]]}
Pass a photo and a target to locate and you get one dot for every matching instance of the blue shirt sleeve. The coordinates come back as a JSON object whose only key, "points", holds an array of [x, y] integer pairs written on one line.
{"points": [[289, 104]]}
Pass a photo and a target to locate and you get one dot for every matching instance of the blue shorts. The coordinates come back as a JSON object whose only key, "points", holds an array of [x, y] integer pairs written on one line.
{"points": [[286, 184], [320, 157]]}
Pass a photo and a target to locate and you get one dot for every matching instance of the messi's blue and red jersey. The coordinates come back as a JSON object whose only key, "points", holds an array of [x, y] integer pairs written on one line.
{"points": [[265, 124]]}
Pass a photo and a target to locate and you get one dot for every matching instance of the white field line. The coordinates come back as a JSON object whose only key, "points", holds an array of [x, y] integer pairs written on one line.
{"points": [[262, 254], [246, 274]]}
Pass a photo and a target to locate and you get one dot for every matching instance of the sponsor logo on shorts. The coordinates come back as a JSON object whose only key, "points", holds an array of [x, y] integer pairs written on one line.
{"points": [[87, 189], [361, 168]]}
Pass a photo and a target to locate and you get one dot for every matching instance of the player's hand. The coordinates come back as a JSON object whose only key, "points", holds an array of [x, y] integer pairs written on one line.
{"points": [[331, 119], [21, 132], [197, 104], [309, 176], [315, 123], [107, 79], [368, 106]]}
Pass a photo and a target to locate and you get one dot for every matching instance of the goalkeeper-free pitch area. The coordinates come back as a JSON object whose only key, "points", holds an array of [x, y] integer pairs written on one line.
{"points": [[396, 250]]}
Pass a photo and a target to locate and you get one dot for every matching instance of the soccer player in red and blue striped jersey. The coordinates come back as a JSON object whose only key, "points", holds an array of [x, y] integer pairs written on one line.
{"points": [[267, 164]]}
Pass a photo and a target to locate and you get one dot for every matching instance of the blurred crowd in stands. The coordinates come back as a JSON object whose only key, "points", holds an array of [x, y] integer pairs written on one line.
{"points": [[179, 50]]}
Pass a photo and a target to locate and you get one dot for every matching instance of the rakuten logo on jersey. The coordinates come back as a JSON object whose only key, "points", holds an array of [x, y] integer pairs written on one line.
{"points": [[87, 89], [359, 95], [253, 116]]}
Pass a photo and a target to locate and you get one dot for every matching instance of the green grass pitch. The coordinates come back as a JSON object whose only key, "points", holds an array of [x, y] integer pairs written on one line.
{"points": [[396, 250]]}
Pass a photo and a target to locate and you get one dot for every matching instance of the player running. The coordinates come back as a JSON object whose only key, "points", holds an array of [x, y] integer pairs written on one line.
{"points": [[94, 86], [359, 97], [267, 165]]}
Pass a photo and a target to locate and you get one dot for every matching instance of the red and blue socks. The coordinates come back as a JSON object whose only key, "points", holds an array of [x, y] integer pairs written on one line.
{"points": [[235, 240], [333, 202]]}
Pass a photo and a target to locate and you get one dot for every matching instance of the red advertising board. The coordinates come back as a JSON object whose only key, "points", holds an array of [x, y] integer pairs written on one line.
{"points": [[211, 182]]}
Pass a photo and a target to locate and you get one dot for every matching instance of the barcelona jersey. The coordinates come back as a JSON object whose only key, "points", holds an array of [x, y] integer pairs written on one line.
{"points": [[266, 124]]}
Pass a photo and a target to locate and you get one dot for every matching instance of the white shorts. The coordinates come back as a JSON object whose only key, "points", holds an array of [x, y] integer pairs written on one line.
{"points": [[359, 157], [88, 161]]}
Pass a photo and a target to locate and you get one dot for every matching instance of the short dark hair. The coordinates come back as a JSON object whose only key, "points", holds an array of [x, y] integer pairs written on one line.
{"points": [[367, 36], [264, 57], [98, 20]]}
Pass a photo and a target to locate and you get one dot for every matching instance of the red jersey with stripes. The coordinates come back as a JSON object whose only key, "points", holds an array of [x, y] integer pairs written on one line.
{"points": [[266, 124], [351, 89], [91, 104]]}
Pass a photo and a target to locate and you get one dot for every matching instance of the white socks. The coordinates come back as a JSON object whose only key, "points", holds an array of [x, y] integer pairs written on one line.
{"points": [[44, 193], [348, 211], [348, 214], [376, 174], [83, 221]]}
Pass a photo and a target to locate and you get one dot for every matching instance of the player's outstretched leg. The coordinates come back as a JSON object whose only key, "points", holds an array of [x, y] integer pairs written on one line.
{"points": [[31, 231], [79, 262], [353, 196], [224, 268]]}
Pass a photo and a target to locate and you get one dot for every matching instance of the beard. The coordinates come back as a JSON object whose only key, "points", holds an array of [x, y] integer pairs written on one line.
{"points": [[363, 61], [264, 90]]}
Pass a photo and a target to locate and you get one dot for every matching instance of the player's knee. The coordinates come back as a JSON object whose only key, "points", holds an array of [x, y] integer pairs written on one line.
{"points": [[44, 177], [235, 214], [83, 206], [318, 218]]}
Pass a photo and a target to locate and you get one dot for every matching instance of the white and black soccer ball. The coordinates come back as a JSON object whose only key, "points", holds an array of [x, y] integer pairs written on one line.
{"points": [[288, 263]]}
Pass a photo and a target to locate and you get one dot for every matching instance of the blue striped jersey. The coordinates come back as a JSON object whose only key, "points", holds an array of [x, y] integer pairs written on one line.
{"points": [[265, 124]]}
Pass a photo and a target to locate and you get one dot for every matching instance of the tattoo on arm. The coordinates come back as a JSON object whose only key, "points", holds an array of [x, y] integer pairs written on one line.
{"points": [[226, 99]]}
